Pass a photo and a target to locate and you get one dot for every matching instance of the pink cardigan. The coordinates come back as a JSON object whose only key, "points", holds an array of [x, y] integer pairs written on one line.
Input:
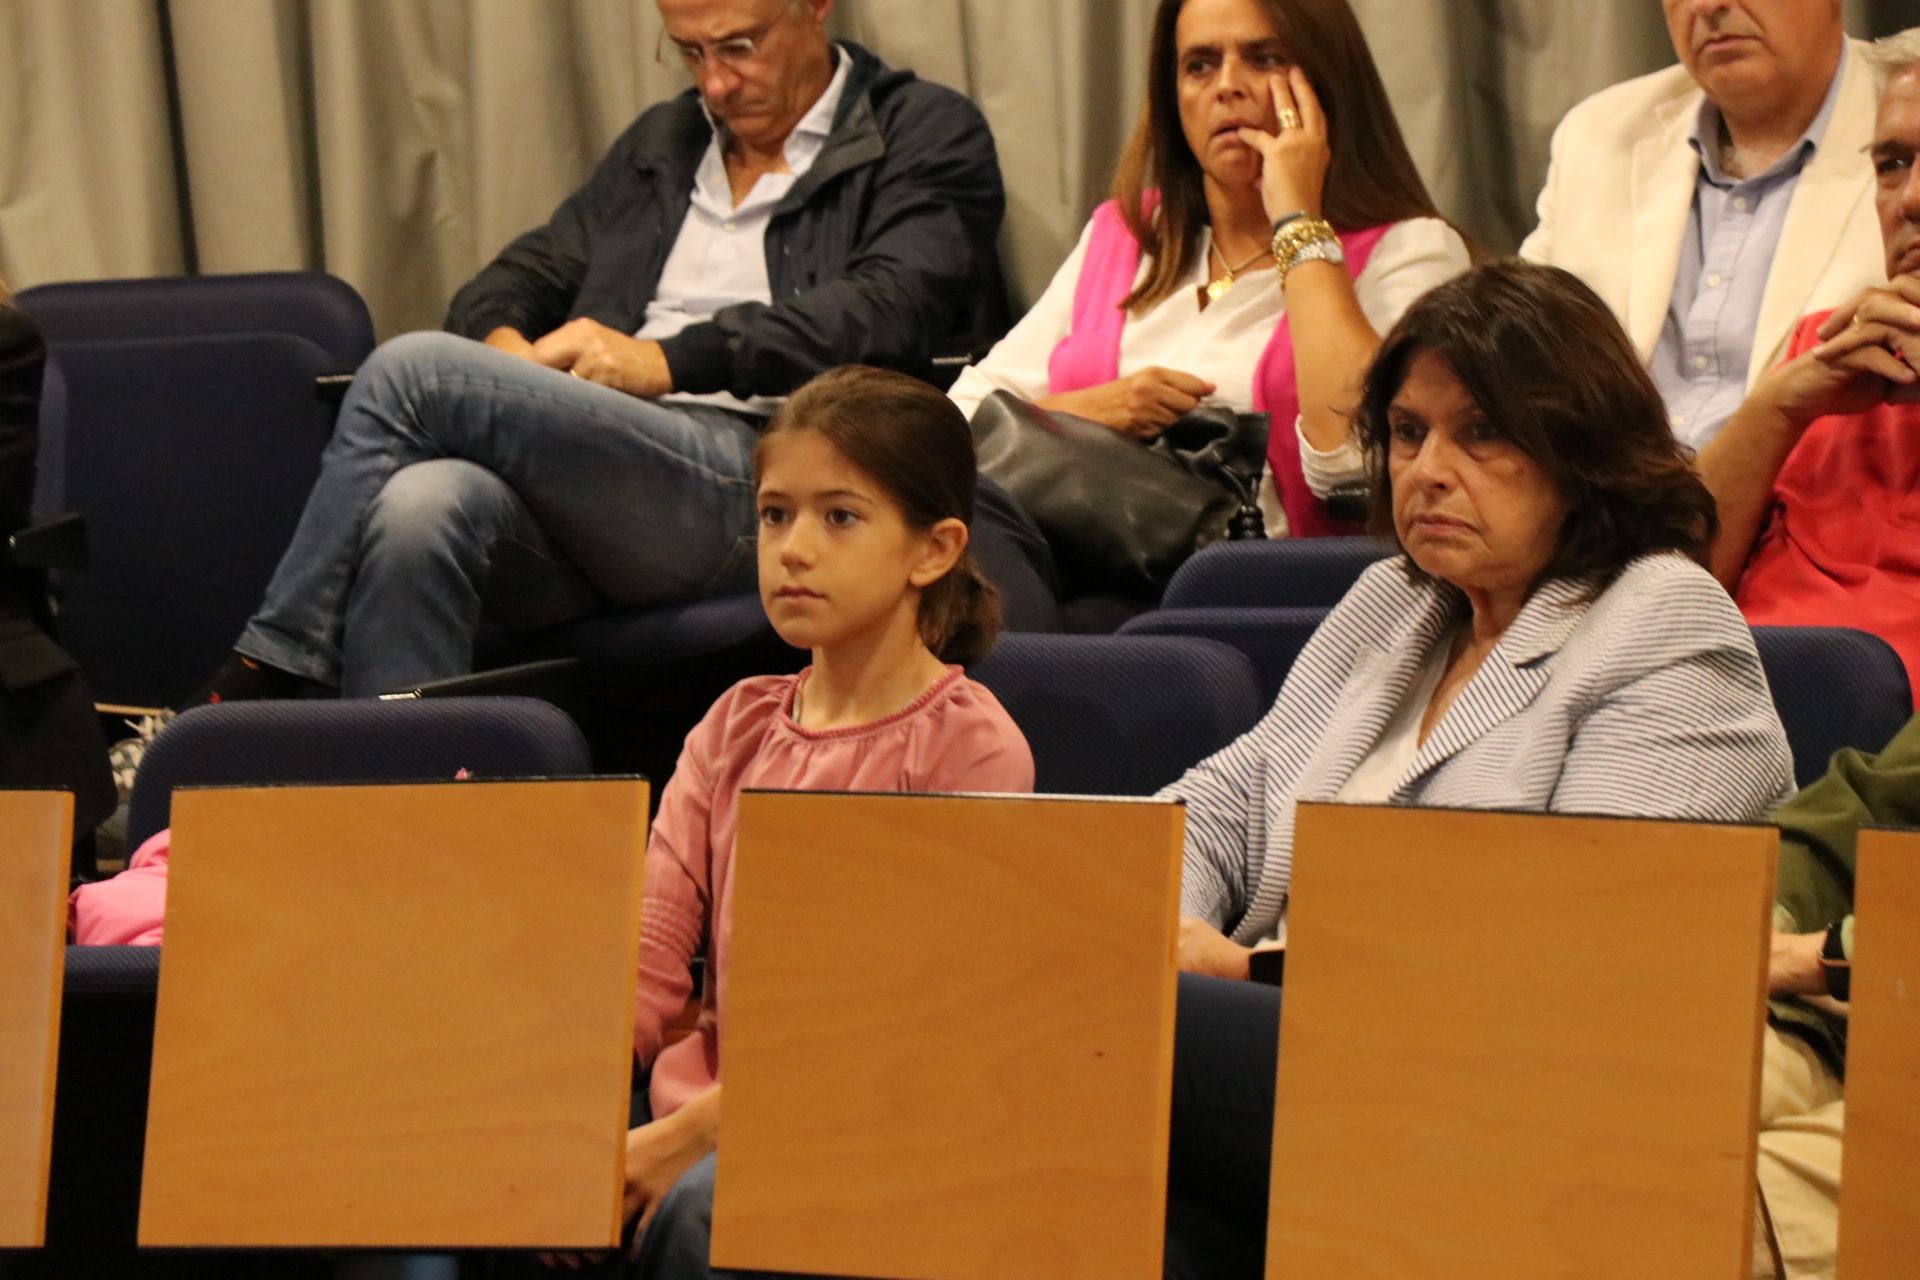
{"points": [[955, 737], [1090, 353]]}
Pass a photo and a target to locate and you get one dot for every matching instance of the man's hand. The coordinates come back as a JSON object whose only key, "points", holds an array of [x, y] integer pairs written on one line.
{"points": [[588, 349], [1141, 405], [1868, 355], [1206, 951], [510, 340]]}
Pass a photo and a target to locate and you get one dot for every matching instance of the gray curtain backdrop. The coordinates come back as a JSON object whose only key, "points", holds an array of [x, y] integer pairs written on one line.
{"points": [[400, 143]]}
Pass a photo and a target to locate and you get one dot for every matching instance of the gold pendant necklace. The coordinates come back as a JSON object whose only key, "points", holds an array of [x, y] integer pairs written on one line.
{"points": [[1216, 288]]}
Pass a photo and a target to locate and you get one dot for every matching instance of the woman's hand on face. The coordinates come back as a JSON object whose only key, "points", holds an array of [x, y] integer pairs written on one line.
{"points": [[1141, 405], [1206, 951], [1293, 169]]}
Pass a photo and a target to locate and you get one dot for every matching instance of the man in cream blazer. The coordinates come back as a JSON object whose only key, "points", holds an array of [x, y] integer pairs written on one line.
{"points": [[1645, 198]]}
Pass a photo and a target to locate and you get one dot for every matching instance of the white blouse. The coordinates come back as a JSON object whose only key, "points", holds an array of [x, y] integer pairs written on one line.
{"points": [[1377, 777], [1224, 342]]}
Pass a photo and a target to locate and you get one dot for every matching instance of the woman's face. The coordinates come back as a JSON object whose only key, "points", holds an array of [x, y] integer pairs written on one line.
{"points": [[1224, 50], [1469, 505]]}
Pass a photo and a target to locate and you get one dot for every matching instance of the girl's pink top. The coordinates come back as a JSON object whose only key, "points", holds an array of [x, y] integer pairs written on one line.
{"points": [[955, 737], [129, 909], [1089, 354]]}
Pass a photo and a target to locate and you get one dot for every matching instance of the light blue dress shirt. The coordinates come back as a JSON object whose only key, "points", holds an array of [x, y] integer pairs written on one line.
{"points": [[1700, 363]]}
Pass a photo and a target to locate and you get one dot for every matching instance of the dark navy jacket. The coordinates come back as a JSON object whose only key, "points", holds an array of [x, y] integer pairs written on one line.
{"points": [[49, 736], [876, 254]]}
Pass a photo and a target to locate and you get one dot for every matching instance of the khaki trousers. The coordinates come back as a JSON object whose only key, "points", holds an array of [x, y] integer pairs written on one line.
{"points": [[1801, 1114]]}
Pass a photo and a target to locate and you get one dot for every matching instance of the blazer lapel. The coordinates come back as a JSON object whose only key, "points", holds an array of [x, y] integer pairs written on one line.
{"points": [[1665, 170], [1378, 682], [1510, 677], [1837, 178]]}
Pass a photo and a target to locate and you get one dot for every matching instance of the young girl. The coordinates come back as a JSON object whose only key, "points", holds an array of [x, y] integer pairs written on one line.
{"points": [[866, 483]]}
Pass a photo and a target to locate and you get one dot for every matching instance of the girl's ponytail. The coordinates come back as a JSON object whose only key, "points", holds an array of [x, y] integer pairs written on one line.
{"points": [[960, 614]]}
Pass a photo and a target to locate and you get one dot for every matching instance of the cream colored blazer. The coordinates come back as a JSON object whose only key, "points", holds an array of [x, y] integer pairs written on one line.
{"points": [[1620, 187]]}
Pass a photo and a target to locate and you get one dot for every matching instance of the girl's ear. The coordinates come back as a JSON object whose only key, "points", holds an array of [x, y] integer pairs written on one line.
{"points": [[946, 542]]}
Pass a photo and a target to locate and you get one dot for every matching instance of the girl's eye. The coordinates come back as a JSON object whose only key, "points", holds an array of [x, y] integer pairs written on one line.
{"points": [[772, 516], [841, 518]]}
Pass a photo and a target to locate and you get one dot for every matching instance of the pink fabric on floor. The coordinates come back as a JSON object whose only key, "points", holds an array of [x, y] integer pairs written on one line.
{"points": [[130, 909]]}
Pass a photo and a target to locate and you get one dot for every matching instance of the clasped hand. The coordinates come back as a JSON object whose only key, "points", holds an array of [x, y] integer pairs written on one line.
{"points": [[1868, 355], [590, 350]]}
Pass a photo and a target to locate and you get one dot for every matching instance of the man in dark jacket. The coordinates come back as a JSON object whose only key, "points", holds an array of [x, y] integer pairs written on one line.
{"points": [[589, 433]]}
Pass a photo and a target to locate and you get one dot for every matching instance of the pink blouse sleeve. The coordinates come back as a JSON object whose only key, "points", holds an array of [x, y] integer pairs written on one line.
{"points": [[979, 748], [677, 897]]}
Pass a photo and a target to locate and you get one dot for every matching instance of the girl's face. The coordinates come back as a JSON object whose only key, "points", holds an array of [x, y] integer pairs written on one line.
{"points": [[838, 561]]}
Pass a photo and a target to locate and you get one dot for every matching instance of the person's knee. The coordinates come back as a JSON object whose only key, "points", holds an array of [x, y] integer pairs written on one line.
{"points": [[431, 508], [679, 1237], [689, 1203], [400, 365], [414, 351]]}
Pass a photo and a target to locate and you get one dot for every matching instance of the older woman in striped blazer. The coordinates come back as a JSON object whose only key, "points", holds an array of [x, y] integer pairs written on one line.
{"points": [[1550, 640]]}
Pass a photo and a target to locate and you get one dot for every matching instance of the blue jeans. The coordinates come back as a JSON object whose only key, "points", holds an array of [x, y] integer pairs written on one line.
{"points": [[461, 479]]}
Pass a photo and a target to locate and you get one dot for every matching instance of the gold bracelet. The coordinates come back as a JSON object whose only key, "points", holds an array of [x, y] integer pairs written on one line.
{"points": [[1301, 231], [1306, 240]]}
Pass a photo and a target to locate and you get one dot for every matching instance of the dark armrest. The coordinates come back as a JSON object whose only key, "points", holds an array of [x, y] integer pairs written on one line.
{"points": [[1349, 502], [557, 680], [332, 387], [59, 543]]}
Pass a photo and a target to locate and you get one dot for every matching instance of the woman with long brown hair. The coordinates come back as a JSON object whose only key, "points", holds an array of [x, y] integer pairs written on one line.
{"points": [[1266, 226]]}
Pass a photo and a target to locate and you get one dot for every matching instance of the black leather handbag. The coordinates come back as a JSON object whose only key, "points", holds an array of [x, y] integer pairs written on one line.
{"points": [[1120, 514]]}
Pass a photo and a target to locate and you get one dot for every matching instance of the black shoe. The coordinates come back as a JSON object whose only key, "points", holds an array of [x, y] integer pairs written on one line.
{"points": [[244, 679]]}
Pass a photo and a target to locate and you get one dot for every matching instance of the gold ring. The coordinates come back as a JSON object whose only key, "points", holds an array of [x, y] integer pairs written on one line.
{"points": [[576, 373], [1289, 119]]}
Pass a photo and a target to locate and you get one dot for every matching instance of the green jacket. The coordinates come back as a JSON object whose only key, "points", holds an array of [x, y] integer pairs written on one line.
{"points": [[1818, 831]]}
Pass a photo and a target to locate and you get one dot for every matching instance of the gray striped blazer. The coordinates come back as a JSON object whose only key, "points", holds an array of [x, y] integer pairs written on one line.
{"points": [[1648, 702]]}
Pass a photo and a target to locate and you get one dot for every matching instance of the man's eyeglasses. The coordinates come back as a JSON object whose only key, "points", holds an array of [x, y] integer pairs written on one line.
{"points": [[734, 52]]}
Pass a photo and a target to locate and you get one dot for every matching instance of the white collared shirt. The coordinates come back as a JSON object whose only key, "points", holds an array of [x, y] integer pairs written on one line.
{"points": [[719, 259]]}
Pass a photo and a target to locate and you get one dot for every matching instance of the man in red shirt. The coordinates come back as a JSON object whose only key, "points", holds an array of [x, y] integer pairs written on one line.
{"points": [[1818, 473]]}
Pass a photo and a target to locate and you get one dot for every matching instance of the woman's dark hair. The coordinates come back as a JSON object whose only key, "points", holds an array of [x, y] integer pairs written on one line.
{"points": [[1372, 179], [1550, 367], [914, 443]]}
